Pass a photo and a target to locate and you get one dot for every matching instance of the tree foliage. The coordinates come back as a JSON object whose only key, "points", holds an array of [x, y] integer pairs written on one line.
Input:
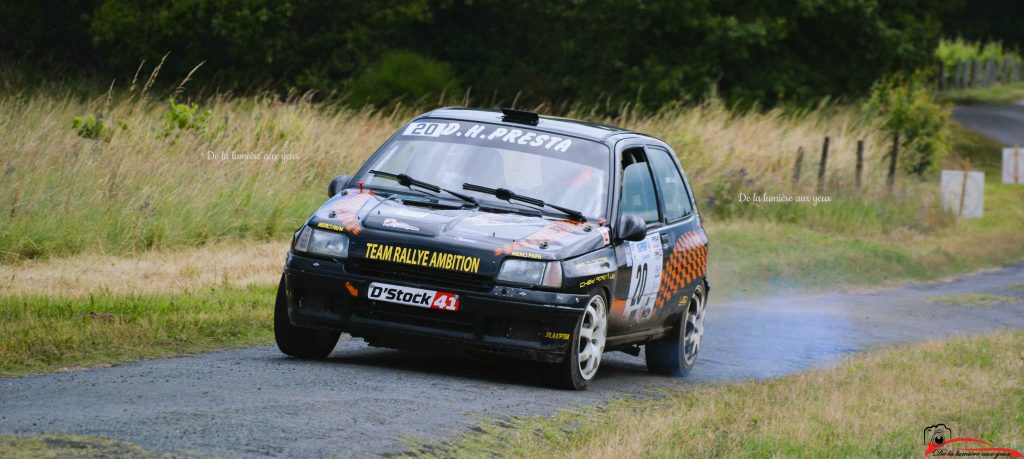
{"points": [[651, 52], [908, 109]]}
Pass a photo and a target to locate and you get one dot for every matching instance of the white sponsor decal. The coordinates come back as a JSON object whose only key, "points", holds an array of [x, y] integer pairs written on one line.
{"points": [[493, 134], [645, 280], [392, 223], [430, 299]]}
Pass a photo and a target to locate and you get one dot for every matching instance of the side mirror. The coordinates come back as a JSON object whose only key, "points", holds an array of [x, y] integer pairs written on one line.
{"points": [[632, 228], [337, 184]]}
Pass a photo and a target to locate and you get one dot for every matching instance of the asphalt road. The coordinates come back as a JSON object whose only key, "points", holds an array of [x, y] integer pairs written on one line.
{"points": [[1004, 123], [363, 401]]}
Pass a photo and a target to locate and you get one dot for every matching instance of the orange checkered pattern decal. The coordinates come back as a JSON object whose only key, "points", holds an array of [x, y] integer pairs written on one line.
{"points": [[550, 233], [689, 261], [347, 210]]}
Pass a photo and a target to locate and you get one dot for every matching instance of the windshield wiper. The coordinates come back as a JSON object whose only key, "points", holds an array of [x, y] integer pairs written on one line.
{"points": [[409, 182], [508, 195]]}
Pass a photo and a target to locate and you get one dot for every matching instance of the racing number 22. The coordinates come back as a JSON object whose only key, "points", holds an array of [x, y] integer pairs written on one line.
{"points": [[641, 283], [445, 301]]}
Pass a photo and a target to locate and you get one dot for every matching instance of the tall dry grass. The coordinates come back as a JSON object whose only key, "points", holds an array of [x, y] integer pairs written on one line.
{"points": [[142, 185]]}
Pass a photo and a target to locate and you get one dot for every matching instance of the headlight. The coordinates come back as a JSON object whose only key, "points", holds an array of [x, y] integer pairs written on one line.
{"points": [[322, 243], [545, 273]]}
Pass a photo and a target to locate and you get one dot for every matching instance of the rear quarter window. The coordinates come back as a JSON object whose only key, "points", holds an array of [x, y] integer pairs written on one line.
{"points": [[673, 189]]}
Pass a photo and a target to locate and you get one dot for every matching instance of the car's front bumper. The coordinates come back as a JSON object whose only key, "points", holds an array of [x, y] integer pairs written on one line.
{"points": [[502, 319]]}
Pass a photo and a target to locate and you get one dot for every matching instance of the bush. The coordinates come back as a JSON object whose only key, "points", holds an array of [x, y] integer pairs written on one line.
{"points": [[952, 52], [906, 107], [402, 75], [91, 127], [181, 117]]}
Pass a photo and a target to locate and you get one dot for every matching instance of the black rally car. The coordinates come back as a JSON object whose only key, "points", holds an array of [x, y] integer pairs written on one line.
{"points": [[506, 233]]}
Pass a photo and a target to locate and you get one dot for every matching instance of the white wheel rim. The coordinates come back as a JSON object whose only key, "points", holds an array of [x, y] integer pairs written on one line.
{"points": [[694, 330], [593, 330]]}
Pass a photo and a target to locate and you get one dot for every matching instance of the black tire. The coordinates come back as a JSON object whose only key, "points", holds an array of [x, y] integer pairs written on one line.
{"points": [[671, 355], [303, 343], [567, 373]]}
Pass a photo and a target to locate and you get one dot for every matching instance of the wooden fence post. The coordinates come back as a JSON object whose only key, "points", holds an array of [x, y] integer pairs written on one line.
{"points": [[860, 162], [823, 165], [891, 180], [799, 164], [963, 188], [1017, 166]]}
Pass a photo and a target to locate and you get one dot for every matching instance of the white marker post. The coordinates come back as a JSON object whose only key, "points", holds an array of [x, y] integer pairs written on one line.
{"points": [[1013, 165], [963, 192]]}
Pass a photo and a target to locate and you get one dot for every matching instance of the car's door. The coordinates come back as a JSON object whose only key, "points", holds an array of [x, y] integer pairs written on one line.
{"points": [[683, 238], [640, 263]]}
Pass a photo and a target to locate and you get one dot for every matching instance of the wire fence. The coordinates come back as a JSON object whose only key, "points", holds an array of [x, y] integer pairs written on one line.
{"points": [[889, 164]]}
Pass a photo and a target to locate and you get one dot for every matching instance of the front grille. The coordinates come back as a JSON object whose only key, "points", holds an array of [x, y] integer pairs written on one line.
{"points": [[418, 275], [411, 315]]}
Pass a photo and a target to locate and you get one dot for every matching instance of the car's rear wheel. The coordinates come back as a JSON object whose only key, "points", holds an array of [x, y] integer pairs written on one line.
{"points": [[677, 354], [299, 342], [584, 355]]}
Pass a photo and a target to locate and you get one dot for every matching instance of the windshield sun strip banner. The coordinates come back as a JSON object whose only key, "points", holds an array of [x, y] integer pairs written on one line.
{"points": [[490, 133], [578, 150]]}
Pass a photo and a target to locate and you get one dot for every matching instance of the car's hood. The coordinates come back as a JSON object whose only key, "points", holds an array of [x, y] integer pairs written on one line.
{"points": [[370, 218]]}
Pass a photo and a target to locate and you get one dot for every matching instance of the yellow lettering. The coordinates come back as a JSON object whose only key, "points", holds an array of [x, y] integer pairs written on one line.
{"points": [[422, 257], [535, 256], [330, 226]]}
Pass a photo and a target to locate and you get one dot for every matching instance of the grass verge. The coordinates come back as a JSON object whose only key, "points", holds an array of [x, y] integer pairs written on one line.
{"points": [[762, 257], [978, 300], [873, 405], [42, 333], [74, 446], [1002, 94]]}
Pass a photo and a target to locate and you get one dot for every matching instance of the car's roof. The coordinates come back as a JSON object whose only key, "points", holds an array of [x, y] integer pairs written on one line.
{"points": [[566, 126]]}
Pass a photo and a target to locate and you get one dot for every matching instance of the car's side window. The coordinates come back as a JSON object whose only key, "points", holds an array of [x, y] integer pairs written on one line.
{"points": [[673, 190], [638, 195]]}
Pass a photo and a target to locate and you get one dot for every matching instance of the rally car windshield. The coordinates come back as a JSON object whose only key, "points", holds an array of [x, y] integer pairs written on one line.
{"points": [[565, 171]]}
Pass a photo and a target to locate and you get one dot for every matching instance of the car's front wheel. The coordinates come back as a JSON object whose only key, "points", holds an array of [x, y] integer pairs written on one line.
{"points": [[584, 355], [295, 341], [677, 354]]}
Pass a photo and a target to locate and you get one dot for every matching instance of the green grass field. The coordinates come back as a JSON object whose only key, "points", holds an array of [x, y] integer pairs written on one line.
{"points": [[43, 333], [872, 405]]}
